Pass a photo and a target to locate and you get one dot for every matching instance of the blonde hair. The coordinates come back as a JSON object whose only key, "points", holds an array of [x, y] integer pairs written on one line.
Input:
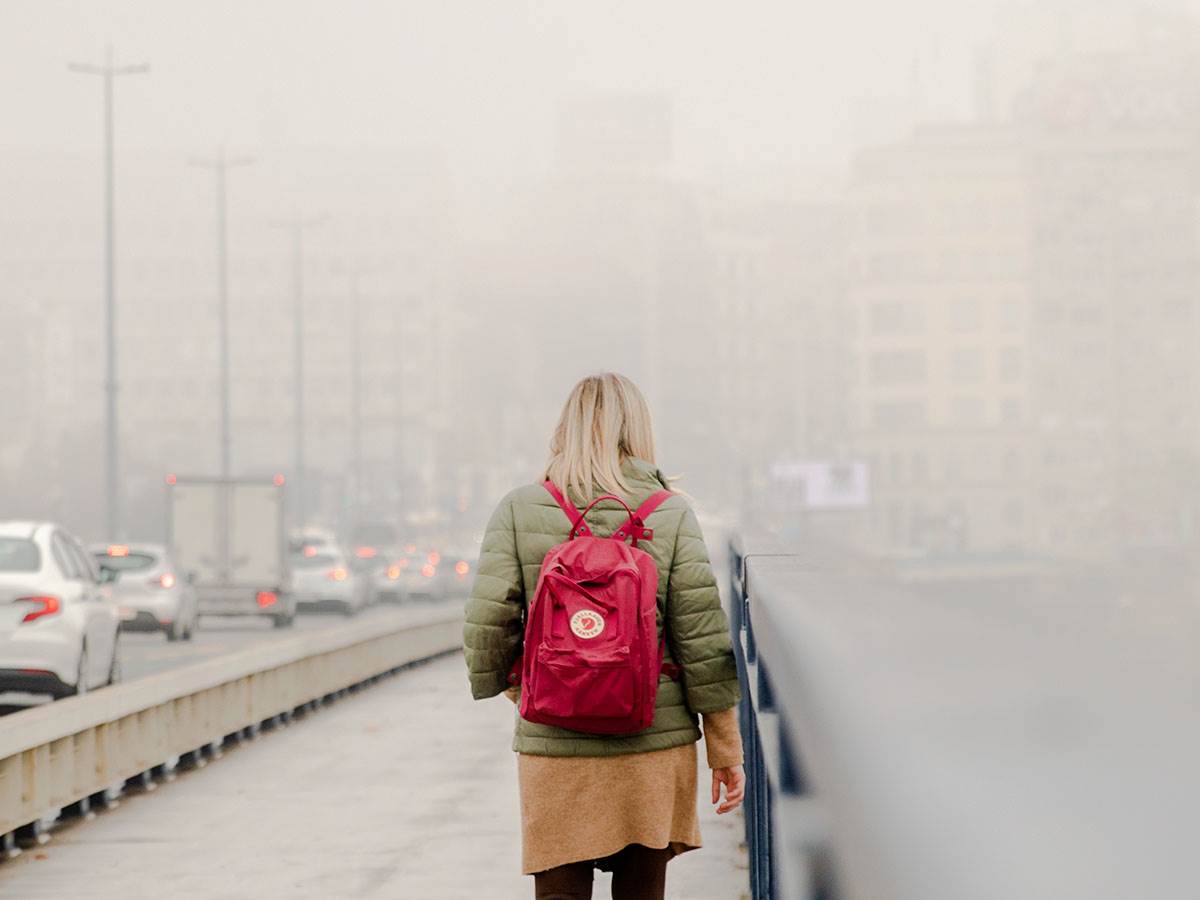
{"points": [[604, 421]]}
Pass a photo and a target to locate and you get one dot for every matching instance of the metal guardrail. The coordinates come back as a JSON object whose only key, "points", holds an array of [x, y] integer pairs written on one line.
{"points": [[785, 831], [64, 757]]}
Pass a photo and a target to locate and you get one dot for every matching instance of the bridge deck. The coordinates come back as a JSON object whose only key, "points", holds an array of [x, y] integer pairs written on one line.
{"points": [[407, 790]]}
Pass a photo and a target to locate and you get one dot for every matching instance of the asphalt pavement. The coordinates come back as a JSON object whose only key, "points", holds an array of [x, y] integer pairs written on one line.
{"points": [[145, 653]]}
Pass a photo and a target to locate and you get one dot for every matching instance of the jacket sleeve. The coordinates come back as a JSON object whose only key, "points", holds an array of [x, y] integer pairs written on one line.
{"points": [[698, 629], [492, 633]]}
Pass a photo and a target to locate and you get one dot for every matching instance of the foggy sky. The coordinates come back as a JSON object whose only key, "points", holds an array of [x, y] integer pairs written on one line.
{"points": [[769, 82]]}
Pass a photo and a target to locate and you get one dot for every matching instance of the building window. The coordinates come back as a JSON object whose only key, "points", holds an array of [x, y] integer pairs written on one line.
{"points": [[966, 315], [1012, 463], [895, 522], [1010, 365], [966, 364], [900, 414], [920, 467], [896, 317], [1010, 411], [966, 411], [897, 367]]}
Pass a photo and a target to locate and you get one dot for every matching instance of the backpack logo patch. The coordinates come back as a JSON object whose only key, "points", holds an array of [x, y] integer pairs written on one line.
{"points": [[587, 624]]}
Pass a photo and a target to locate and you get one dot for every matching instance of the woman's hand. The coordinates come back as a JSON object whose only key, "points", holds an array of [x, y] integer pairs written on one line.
{"points": [[734, 779]]}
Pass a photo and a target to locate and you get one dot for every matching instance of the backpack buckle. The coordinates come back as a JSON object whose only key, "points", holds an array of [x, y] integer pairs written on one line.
{"points": [[638, 529]]}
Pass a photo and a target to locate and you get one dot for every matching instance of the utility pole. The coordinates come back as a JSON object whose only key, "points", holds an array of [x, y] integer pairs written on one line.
{"points": [[356, 396], [296, 226], [398, 433], [220, 165], [112, 485]]}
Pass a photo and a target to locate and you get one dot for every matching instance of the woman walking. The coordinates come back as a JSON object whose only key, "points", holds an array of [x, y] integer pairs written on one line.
{"points": [[625, 803]]}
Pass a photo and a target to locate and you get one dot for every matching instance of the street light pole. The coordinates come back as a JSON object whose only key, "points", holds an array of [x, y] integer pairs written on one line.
{"points": [[107, 73], [296, 226], [356, 395], [220, 164], [399, 430]]}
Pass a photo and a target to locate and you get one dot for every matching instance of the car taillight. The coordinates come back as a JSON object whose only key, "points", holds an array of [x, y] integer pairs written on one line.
{"points": [[393, 572], [338, 574], [43, 606], [365, 552], [267, 598], [118, 550], [428, 570], [434, 557], [462, 567], [166, 581]]}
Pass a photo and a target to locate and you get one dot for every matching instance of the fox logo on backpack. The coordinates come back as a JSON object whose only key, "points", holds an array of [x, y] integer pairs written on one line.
{"points": [[592, 653]]}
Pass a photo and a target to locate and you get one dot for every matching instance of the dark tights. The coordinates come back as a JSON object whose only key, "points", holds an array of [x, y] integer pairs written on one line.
{"points": [[639, 873]]}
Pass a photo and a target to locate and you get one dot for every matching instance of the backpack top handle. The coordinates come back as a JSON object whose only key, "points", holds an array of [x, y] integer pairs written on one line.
{"points": [[634, 526]]}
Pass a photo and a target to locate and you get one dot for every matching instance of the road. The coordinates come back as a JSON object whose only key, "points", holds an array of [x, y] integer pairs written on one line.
{"points": [[145, 653]]}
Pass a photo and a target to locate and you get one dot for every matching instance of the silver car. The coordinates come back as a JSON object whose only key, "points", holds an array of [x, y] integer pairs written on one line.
{"points": [[58, 625], [322, 578], [150, 591], [425, 577]]}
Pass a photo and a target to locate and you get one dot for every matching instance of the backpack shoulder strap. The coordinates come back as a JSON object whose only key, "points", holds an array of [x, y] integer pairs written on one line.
{"points": [[574, 516], [636, 526]]}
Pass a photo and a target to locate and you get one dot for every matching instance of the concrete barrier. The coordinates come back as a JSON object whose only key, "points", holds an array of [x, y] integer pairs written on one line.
{"points": [[76, 752]]}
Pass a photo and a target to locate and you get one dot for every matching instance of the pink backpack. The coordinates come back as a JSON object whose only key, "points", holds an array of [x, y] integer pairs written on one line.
{"points": [[592, 653]]}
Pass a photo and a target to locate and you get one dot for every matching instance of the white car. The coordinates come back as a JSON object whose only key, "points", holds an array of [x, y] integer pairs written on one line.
{"points": [[150, 592], [322, 578], [58, 625]]}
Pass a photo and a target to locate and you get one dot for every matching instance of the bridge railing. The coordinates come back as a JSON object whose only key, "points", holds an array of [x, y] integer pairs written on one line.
{"points": [[64, 757], [785, 831]]}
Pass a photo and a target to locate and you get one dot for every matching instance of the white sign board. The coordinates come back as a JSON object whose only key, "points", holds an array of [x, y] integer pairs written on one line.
{"points": [[825, 485]]}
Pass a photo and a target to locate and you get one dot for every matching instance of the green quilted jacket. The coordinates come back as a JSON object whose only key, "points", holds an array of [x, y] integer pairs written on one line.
{"points": [[524, 527]]}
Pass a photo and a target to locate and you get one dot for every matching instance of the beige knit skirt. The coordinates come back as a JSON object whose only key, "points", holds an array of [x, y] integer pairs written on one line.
{"points": [[587, 808]]}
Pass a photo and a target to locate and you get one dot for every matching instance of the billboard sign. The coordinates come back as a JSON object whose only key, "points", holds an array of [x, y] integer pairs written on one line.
{"points": [[824, 485]]}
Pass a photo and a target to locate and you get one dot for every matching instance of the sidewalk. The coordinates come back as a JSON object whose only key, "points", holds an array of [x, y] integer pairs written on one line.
{"points": [[407, 790]]}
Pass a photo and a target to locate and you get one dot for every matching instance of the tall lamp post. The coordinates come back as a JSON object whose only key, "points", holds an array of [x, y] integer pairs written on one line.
{"points": [[356, 395], [296, 226], [220, 165], [112, 486]]}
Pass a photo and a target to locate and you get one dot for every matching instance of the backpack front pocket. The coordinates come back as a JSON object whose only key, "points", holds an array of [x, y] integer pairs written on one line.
{"points": [[575, 684]]}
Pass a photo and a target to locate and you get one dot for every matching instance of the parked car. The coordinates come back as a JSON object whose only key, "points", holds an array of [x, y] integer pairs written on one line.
{"points": [[425, 578], [324, 579], [390, 581], [58, 624], [459, 565], [150, 591], [320, 538]]}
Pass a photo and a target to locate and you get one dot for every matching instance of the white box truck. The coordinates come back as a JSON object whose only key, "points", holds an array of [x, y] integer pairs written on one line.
{"points": [[228, 537]]}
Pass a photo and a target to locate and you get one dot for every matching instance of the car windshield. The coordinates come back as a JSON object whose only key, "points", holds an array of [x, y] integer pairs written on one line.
{"points": [[19, 555], [127, 561], [316, 561]]}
